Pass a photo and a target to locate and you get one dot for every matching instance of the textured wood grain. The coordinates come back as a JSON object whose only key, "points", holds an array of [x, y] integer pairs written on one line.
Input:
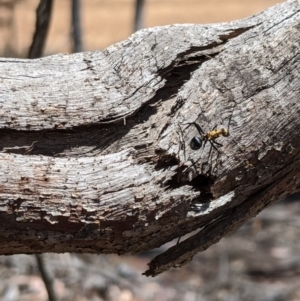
{"points": [[95, 146]]}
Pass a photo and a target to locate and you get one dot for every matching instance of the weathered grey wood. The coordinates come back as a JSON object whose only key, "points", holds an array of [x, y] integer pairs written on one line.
{"points": [[95, 146]]}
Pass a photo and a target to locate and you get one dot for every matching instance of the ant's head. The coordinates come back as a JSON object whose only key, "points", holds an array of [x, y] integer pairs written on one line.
{"points": [[196, 143], [225, 132]]}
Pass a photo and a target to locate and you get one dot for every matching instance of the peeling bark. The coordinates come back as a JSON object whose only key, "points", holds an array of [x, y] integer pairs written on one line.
{"points": [[95, 152]]}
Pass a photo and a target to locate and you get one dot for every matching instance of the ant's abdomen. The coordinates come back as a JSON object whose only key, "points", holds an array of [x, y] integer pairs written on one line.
{"points": [[196, 143]]}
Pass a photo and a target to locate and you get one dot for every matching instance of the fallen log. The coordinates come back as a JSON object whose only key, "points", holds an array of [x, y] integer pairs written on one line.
{"points": [[96, 149]]}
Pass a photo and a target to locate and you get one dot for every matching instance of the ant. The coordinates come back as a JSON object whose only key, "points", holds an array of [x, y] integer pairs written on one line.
{"points": [[211, 136]]}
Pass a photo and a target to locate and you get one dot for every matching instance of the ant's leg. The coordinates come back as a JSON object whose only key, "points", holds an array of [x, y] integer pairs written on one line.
{"points": [[198, 127], [213, 145], [229, 121], [181, 147], [218, 154], [217, 143], [200, 157], [209, 151]]}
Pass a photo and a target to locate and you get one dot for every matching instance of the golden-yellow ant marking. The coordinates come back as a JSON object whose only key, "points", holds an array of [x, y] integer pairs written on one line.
{"points": [[216, 133]]}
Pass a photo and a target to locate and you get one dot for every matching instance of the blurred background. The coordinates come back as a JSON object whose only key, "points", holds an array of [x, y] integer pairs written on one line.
{"points": [[105, 22], [261, 261]]}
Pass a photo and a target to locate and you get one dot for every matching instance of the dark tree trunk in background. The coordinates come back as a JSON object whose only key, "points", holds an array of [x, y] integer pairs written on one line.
{"points": [[139, 14], [43, 15], [76, 24], [47, 277]]}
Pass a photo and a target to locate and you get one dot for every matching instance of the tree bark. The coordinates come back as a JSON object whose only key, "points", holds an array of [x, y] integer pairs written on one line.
{"points": [[96, 150]]}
